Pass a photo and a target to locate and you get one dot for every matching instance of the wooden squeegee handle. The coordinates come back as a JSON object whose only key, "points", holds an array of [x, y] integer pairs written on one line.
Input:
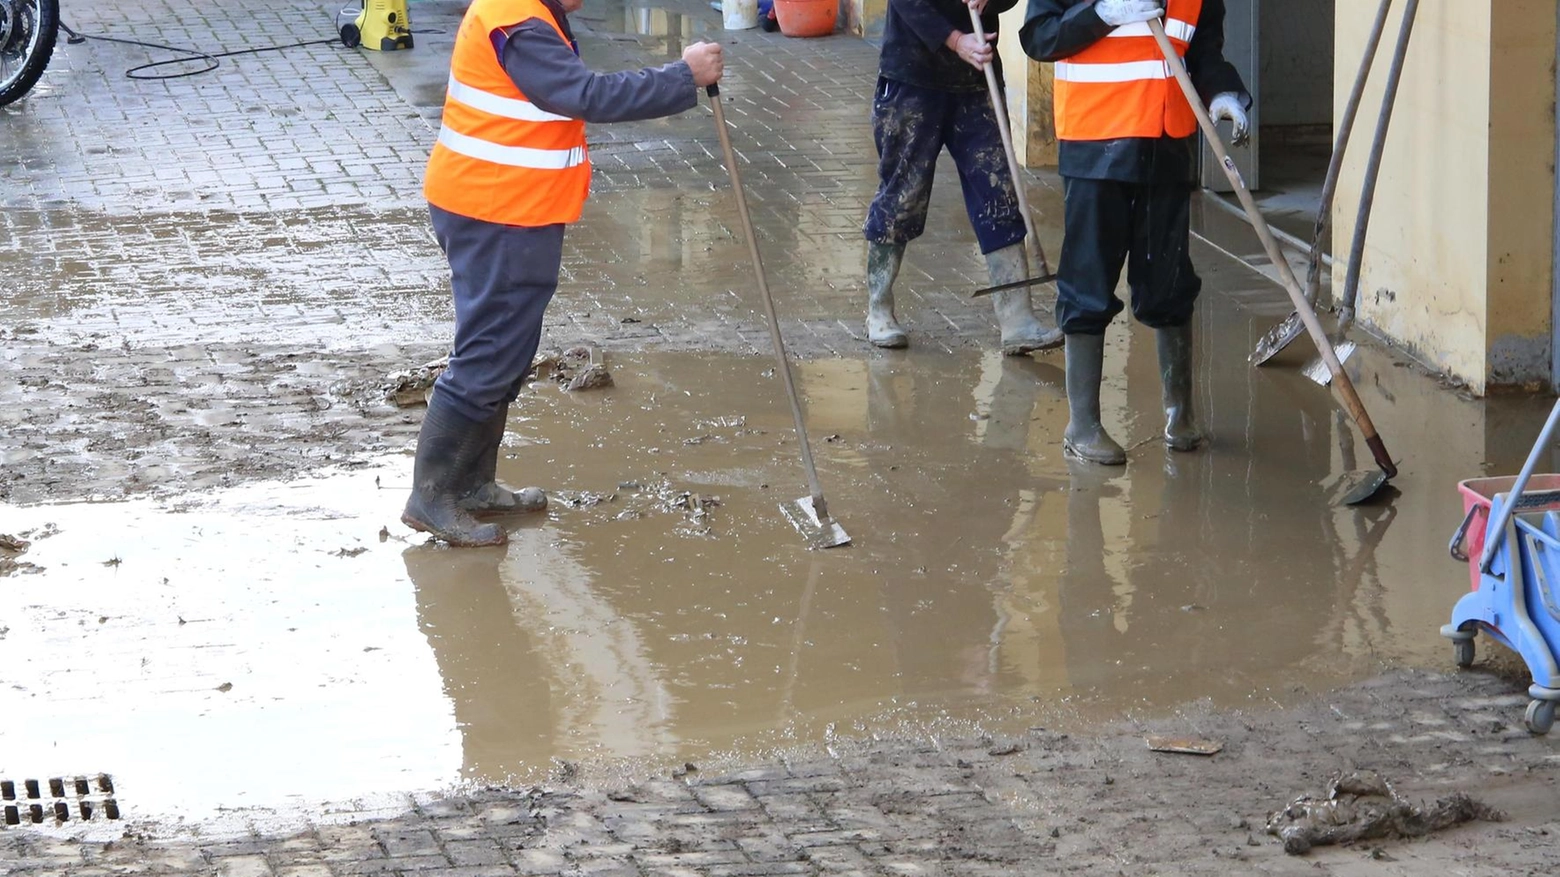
{"points": [[1313, 326], [1000, 110], [783, 361]]}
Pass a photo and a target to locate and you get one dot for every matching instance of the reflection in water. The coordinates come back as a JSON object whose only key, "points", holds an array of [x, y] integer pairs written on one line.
{"points": [[664, 610]]}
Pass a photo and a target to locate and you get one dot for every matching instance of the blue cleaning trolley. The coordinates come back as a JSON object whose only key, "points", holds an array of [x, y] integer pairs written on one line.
{"points": [[1517, 598]]}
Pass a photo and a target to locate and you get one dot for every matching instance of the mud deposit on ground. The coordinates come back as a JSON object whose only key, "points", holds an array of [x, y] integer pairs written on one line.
{"points": [[663, 610]]}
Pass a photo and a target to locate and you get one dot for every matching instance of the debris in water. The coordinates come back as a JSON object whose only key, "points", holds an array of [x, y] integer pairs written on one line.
{"points": [[1185, 745], [13, 543], [351, 552], [411, 388], [225, 687], [594, 377], [112, 561], [1361, 805]]}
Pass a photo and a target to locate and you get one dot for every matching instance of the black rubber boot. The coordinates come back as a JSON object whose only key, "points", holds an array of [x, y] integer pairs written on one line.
{"points": [[448, 450], [484, 494], [883, 262], [1086, 438], [1175, 370]]}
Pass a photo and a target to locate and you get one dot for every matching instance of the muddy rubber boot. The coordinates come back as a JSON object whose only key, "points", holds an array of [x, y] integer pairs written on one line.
{"points": [[1022, 331], [883, 262], [1086, 438], [485, 494], [448, 450], [1175, 370]]}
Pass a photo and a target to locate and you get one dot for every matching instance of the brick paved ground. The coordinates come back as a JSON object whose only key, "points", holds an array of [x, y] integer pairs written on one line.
{"points": [[1041, 803], [261, 228]]}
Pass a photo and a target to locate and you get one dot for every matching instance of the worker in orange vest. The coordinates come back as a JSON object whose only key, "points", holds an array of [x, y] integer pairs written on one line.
{"points": [[509, 171], [1128, 165]]}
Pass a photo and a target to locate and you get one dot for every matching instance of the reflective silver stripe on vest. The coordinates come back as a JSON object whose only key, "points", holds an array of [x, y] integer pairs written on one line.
{"points": [[1175, 28], [512, 156], [497, 105], [1128, 71]]}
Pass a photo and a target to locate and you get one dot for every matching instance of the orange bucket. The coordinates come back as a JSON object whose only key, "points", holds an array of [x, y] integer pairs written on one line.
{"points": [[806, 18]]}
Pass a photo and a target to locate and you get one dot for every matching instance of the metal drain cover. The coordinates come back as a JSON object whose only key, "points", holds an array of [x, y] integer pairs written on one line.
{"points": [[58, 799]]}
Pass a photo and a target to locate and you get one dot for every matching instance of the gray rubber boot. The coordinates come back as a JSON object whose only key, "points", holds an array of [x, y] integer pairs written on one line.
{"points": [[883, 262], [1086, 438], [484, 493], [1175, 370], [448, 449], [1022, 331]]}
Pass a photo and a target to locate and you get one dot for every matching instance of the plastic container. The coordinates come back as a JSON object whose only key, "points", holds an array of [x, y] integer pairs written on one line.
{"points": [[807, 18], [739, 14], [1542, 495]]}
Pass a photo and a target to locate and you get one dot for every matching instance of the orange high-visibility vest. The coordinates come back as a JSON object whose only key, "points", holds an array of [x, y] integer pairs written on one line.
{"points": [[499, 157], [1121, 85]]}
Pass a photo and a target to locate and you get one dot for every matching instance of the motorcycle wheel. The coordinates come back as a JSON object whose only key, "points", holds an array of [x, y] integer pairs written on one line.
{"points": [[28, 31]]}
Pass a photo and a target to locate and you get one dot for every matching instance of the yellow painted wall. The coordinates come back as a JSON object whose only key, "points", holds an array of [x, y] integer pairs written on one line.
{"points": [[1457, 263], [1028, 95]]}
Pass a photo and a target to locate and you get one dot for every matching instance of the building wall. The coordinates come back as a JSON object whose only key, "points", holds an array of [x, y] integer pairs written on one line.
{"points": [[1458, 259], [1297, 66]]}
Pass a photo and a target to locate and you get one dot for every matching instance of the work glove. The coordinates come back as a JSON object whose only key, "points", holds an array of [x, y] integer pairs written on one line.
{"points": [[1119, 12], [1229, 106]]}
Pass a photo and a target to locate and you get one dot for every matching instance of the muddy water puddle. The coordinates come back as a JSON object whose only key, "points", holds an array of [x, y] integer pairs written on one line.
{"points": [[274, 647]]}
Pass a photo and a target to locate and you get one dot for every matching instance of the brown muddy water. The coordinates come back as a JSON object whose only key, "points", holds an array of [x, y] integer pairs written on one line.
{"points": [[273, 647]]}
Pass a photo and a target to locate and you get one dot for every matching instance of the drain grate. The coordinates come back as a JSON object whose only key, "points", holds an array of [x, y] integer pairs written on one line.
{"points": [[76, 798]]}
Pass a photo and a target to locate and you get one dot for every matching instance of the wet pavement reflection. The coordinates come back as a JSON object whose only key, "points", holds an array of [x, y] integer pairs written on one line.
{"points": [[272, 647]]}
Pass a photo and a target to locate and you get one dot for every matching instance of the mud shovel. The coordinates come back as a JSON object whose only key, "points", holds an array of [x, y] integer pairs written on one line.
{"points": [[1284, 334], [1317, 370], [1351, 400], [1046, 275], [809, 514]]}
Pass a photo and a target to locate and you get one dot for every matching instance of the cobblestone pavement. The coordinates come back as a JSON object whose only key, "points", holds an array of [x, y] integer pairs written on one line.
{"points": [[260, 228], [1039, 803]]}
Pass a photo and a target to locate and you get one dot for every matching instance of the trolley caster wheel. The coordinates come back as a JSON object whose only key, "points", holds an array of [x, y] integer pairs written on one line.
{"points": [[1540, 716], [1463, 651]]}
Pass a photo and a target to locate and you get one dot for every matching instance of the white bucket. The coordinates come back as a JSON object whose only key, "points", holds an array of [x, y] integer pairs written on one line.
{"points": [[739, 14]]}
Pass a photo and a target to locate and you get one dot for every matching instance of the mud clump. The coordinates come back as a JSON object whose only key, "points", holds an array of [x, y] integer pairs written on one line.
{"points": [[12, 547], [1362, 805], [413, 387]]}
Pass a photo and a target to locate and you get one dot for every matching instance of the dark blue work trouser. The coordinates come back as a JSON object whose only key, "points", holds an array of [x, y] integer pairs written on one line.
{"points": [[912, 126], [503, 277], [1144, 225]]}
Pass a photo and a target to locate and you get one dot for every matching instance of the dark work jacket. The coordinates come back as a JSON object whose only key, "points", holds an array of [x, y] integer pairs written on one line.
{"points": [[1055, 30], [914, 43]]}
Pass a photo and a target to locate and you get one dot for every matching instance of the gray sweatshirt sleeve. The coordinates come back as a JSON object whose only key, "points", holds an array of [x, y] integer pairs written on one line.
{"points": [[555, 79]]}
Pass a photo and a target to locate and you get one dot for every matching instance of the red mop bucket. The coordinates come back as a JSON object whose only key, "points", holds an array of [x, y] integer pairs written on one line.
{"points": [[1478, 494]]}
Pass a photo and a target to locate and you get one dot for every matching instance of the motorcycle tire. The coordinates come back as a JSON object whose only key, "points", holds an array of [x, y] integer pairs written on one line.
{"points": [[32, 66]]}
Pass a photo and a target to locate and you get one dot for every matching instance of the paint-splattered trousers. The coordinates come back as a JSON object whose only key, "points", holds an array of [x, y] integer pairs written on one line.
{"points": [[1144, 225], [912, 126], [503, 277]]}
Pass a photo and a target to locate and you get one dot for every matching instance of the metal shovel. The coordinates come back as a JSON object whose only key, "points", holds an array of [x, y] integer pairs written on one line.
{"points": [[809, 514], [1282, 335], [1317, 370], [1000, 110], [1351, 400]]}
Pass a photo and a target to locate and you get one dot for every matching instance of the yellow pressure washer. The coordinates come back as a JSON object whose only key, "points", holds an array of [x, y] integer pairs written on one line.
{"points": [[382, 26]]}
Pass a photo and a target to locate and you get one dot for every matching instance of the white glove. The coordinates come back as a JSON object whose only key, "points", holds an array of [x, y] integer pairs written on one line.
{"points": [[1119, 12], [1229, 106]]}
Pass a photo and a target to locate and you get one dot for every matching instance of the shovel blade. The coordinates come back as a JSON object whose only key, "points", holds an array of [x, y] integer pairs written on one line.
{"points": [[1355, 488], [819, 533], [1317, 369], [1277, 339]]}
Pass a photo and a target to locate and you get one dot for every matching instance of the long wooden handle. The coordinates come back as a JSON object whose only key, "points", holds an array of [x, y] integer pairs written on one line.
{"points": [[1313, 273], [784, 361], [1351, 399], [1351, 284], [999, 108]]}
